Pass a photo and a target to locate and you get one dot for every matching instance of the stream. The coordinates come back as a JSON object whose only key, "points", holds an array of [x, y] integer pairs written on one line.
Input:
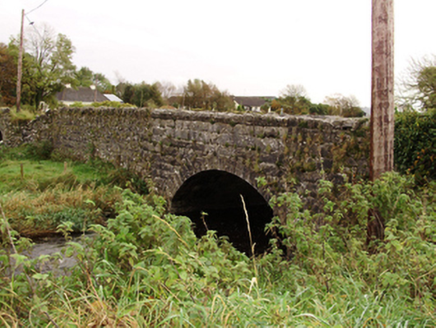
{"points": [[50, 246]]}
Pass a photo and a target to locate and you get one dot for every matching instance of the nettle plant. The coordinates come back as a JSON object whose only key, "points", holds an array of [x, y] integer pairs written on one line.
{"points": [[145, 267], [332, 243]]}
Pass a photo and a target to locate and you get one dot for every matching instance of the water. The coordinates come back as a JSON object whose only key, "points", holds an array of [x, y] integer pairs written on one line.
{"points": [[50, 246], [53, 246]]}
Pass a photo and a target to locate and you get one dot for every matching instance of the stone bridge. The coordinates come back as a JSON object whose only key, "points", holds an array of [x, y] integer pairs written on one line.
{"points": [[202, 162]]}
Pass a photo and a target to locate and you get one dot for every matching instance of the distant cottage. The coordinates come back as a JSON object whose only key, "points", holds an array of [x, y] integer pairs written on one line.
{"points": [[251, 103], [84, 95]]}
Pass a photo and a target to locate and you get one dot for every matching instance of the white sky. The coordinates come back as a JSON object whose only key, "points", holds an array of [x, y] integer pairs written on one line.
{"points": [[247, 47]]}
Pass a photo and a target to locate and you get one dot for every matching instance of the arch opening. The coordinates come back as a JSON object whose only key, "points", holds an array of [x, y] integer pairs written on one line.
{"points": [[217, 193], [1, 137]]}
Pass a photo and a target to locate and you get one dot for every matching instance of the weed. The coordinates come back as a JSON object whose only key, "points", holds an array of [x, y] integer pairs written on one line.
{"points": [[303, 124], [22, 117], [145, 267], [40, 150]]}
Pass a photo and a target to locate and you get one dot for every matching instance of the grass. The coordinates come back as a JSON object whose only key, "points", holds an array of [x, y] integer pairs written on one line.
{"points": [[23, 116], [145, 267], [35, 214], [43, 174], [38, 193]]}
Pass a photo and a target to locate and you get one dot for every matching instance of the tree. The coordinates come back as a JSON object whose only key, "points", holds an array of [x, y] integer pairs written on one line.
{"points": [[295, 105], [196, 94], [102, 83], [221, 100], [50, 63], [294, 90], [344, 106], [84, 77], [166, 89], [293, 100], [27, 95], [8, 71], [142, 95], [320, 109], [199, 94], [275, 105], [417, 89]]}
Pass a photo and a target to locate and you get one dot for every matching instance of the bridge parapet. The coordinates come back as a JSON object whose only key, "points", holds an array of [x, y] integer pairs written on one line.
{"points": [[287, 152]]}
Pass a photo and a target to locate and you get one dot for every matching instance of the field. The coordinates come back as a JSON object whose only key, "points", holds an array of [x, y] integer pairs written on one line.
{"points": [[145, 267]]}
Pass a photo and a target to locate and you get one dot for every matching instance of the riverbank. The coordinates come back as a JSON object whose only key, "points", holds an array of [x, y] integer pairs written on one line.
{"points": [[40, 190], [146, 268]]}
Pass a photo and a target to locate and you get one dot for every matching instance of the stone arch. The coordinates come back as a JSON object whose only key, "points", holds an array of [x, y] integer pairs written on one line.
{"points": [[217, 193], [169, 178]]}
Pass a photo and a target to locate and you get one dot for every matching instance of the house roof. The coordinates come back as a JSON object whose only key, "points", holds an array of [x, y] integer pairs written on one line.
{"points": [[81, 94], [112, 97], [252, 101]]}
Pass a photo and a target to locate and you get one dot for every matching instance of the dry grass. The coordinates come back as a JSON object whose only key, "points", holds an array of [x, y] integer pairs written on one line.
{"points": [[21, 117], [33, 213]]}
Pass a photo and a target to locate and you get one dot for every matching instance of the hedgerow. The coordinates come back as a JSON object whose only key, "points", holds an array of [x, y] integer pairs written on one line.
{"points": [[415, 144]]}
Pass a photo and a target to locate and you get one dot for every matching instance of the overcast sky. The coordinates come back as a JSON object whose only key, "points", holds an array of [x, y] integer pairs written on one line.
{"points": [[247, 47]]}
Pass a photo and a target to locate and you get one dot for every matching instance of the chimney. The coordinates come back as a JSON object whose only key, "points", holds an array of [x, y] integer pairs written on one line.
{"points": [[92, 86]]}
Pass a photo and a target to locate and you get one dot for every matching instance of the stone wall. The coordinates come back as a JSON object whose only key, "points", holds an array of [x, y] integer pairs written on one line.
{"points": [[288, 152], [11, 133]]}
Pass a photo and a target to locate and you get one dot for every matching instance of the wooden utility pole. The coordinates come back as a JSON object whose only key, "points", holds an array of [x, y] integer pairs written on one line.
{"points": [[382, 103], [20, 63], [382, 88]]}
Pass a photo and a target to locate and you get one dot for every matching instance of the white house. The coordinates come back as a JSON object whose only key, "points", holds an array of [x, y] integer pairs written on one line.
{"points": [[251, 103]]}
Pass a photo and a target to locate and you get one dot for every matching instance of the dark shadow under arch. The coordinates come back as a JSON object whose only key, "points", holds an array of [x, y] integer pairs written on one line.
{"points": [[1, 136], [217, 193]]}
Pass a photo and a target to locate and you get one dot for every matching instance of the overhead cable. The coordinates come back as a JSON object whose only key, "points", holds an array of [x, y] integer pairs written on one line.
{"points": [[37, 7]]}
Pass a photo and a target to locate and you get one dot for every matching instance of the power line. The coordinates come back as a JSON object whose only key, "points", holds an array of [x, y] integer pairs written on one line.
{"points": [[33, 25], [37, 7], [20, 54], [31, 22]]}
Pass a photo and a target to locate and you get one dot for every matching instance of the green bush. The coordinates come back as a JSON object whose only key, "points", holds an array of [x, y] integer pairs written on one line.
{"points": [[146, 268], [24, 116], [112, 104], [77, 104], [415, 144], [319, 109], [40, 150]]}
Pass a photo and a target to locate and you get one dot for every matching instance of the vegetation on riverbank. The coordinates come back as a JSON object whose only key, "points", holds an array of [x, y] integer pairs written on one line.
{"points": [[145, 267], [40, 190]]}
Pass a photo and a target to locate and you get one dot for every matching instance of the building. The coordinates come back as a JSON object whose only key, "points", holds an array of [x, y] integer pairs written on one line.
{"points": [[85, 95], [112, 97], [252, 103]]}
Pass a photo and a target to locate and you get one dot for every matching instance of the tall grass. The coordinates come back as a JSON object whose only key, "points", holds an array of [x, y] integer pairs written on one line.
{"points": [[41, 213], [23, 116], [147, 268], [39, 193]]}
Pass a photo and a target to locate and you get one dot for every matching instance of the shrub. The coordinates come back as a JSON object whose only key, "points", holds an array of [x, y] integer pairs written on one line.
{"points": [[147, 269], [112, 104], [22, 117], [77, 104], [40, 150], [415, 144]]}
